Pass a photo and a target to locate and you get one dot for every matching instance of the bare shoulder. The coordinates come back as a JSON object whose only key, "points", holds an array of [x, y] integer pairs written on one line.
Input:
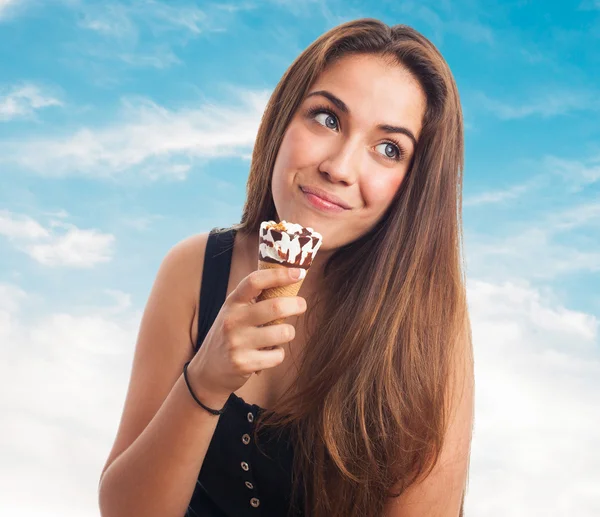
{"points": [[183, 265], [187, 255], [178, 280], [164, 341]]}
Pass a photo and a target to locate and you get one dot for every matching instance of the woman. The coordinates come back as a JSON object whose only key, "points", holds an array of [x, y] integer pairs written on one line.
{"points": [[364, 405]]}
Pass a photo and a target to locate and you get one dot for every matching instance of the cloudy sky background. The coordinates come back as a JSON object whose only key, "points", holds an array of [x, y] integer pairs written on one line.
{"points": [[126, 126]]}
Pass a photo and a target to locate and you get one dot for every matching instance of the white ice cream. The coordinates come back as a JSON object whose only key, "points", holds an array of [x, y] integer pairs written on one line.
{"points": [[289, 242]]}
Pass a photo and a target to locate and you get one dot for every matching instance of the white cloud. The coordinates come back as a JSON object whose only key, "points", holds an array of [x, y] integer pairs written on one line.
{"points": [[559, 240], [124, 20], [187, 17], [149, 141], [122, 300], [7, 7], [537, 405], [530, 251], [443, 20], [589, 5], [473, 31], [134, 32], [68, 375], [141, 222], [577, 173], [11, 297], [161, 59], [20, 226], [110, 20], [76, 248], [583, 215], [544, 105], [61, 244], [61, 214], [331, 10], [501, 196], [22, 101], [235, 7]]}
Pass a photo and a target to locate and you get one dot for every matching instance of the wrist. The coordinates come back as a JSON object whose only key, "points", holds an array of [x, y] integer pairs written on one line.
{"points": [[207, 396]]}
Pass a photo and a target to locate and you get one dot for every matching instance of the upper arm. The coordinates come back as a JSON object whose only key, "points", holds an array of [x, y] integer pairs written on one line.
{"points": [[164, 339], [442, 492]]}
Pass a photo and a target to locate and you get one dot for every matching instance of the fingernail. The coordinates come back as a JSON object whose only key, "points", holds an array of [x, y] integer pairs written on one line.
{"points": [[298, 273]]}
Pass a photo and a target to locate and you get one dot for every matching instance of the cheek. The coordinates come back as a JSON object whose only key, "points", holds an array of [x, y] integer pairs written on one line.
{"points": [[380, 190], [289, 160], [298, 149]]}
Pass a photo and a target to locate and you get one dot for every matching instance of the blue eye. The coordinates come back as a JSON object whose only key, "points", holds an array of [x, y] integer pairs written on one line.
{"points": [[324, 117], [392, 151]]}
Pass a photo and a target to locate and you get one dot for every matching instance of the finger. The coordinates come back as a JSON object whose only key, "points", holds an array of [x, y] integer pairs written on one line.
{"points": [[281, 307], [267, 337], [259, 360], [261, 279]]}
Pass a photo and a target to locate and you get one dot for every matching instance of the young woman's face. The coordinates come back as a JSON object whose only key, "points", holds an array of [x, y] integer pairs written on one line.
{"points": [[352, 137]]}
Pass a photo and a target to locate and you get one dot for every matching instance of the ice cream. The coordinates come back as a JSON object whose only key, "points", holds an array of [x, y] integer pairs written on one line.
{"points": [[286, 245]]}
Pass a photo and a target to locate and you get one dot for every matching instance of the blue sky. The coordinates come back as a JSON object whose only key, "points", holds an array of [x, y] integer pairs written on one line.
{"points": [[127, 126]]}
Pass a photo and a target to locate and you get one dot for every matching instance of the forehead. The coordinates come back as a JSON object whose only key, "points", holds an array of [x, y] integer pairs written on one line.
{"points": [[376, 91]]}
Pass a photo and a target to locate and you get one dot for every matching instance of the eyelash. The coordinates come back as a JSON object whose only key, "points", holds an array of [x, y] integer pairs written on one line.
{"points": [[315, 110]]}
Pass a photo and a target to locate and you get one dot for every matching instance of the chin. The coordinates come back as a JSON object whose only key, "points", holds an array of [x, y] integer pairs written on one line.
{"points": [[302, 216]]}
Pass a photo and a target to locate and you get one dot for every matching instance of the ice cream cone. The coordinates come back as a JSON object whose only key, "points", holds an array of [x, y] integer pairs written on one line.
{"points": [[286, 245], [276, 292]]}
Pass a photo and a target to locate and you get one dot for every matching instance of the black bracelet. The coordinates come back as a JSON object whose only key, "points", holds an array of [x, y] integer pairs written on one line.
{"points": [[212, 411]]}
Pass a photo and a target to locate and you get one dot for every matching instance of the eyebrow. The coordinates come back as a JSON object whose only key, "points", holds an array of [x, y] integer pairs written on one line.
{"points": [[341, 105]]}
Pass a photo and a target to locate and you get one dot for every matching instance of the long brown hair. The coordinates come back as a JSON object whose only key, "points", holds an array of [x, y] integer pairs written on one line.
{"points": [[369, 409]]}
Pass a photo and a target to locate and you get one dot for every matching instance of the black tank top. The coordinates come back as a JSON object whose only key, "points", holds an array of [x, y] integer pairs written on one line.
{"points": [[237, 478]]}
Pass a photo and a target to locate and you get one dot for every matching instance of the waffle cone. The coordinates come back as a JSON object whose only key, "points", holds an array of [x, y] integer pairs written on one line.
{"points": [[276, 292]]}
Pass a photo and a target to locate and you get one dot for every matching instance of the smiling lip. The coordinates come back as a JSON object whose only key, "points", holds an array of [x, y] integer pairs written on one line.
{"points": [[326, 198]]}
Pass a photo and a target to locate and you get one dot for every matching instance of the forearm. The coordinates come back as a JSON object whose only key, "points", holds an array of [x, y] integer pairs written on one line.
{"points": [[157, 474]]}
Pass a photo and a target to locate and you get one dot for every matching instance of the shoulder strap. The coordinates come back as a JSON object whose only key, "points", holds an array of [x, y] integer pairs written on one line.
{"points": [[215, 277]]}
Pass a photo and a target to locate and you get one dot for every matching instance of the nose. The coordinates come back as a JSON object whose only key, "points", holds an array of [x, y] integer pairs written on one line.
{"points": [[342, 162]]}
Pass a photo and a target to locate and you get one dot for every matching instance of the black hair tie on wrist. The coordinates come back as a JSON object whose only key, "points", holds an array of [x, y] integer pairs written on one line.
{"points": [[212, 411]]}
